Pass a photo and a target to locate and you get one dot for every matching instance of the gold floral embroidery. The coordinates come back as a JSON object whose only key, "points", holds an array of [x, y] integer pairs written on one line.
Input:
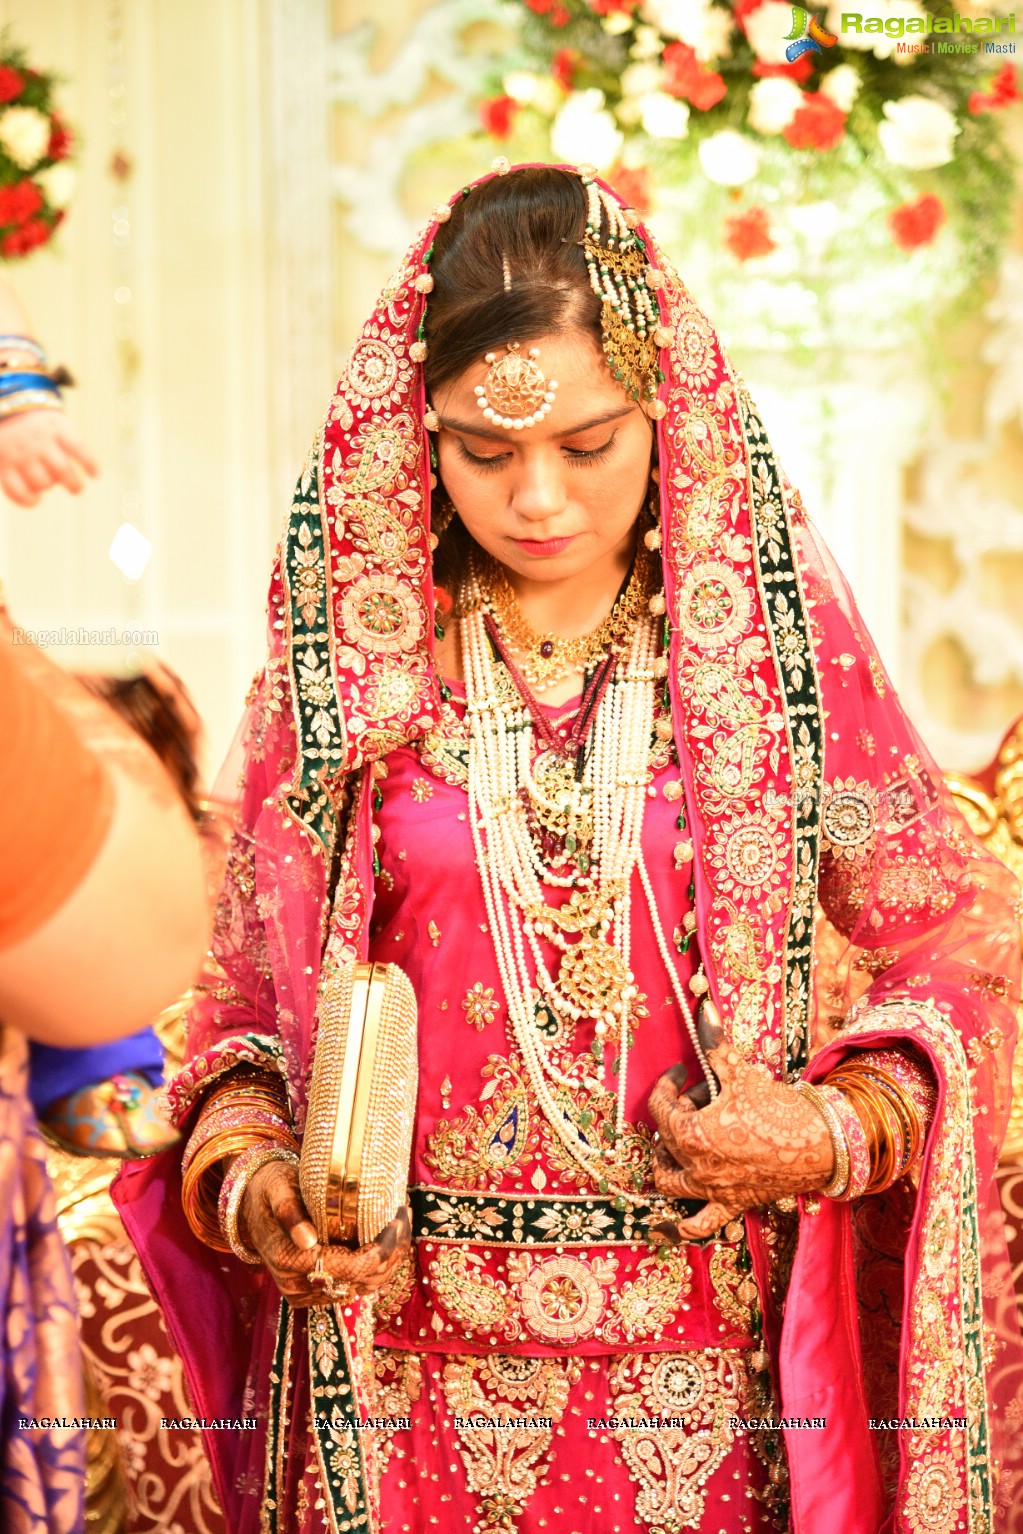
{"points": [[932, 1496], [669, 1464], [421, 790], [479, 1005], [562, 1299], [397, 1386], [850, 818], [734, 1292], [504, 1464]]}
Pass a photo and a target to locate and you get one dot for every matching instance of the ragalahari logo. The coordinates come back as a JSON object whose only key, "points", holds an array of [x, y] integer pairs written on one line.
{"points": [[807, 35]]}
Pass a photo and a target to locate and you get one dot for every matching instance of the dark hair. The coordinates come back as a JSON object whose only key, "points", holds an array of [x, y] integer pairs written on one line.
{"points": [[534, 220]]}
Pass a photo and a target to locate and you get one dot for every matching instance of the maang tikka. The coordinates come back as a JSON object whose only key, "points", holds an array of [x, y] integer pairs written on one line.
{"points": [[515, 392]]}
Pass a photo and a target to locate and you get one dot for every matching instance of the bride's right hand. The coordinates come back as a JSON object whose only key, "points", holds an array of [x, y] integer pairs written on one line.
{"points": [[275, 1222]]}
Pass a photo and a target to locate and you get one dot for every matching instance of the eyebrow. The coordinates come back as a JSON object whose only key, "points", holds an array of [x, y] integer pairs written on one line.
{"points": [[501, 433]]}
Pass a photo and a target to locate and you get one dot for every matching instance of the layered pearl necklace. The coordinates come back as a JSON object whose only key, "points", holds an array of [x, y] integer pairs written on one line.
{"points": [[592, 929]]}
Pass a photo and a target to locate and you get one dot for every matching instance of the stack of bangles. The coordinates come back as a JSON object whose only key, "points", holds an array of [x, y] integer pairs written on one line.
{"points": [[877, 1106], [25, 381], [245, 1117]]}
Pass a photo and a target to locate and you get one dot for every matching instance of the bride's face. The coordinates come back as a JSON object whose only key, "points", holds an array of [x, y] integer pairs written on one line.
{"points": [[557, 498]]}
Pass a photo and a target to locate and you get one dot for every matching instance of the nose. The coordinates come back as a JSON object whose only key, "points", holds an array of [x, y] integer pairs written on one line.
{"points": [[539, 494]]}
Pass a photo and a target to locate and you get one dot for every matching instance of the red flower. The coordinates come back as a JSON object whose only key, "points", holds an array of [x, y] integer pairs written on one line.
{"points": [[20, 241], [609, 7], [707, 91], [19, 201], [1004, 92], [800, 71], [60, 139], [564, 65], [498, 115], [743, 8], [12, 83], [1004, 87], [634, 183], [916, 223], [556, 13], [560, 17], [817, 124], [690, 80], [749, 234]]}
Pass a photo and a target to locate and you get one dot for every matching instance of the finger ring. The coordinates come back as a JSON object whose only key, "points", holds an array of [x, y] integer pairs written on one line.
{"points": [[319, 1275], [337, 1290]]}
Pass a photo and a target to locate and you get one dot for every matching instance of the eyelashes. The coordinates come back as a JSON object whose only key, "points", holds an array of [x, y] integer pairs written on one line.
{"points": [[495, 461]]}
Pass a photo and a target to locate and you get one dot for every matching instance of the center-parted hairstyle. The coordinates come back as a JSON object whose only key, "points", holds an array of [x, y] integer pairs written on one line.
{"points": [[508, 265]]}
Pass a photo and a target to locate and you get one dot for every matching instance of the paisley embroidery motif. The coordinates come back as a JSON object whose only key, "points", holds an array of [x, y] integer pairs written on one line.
{"points": [[476, 1149], [378, 614], [504, 1465], [669, 1464]]}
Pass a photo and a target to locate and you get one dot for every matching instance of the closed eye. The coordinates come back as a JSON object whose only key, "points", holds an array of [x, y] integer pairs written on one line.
{"points": [[487, 463]]}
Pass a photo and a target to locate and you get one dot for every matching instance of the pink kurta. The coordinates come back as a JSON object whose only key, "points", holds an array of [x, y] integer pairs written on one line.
{"points": [[584, 1331]]}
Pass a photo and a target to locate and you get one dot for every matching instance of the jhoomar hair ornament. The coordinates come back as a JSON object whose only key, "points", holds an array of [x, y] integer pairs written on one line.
{"points": [[515, 392]]}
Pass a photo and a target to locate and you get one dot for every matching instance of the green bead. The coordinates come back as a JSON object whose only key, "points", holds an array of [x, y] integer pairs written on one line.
{"points": [[681, 821], [378, 799], [586, 1118], [692, 889], [621, 1203], [603, 1185], [609, 1133]]}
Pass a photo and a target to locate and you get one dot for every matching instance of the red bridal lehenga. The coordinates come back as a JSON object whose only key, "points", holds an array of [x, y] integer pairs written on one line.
{"points": [[555, 1368]]}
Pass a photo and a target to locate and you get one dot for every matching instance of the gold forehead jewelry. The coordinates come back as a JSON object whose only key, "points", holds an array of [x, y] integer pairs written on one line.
{"points": [[626, 284], [515, 392]]}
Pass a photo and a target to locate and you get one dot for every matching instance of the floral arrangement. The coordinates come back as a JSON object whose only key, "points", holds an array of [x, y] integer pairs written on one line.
{"points": [[864, 179], [37, 175]]}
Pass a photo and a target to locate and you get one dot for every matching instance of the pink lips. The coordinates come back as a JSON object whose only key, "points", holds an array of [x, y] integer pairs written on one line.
{"points": [[552, 545]]}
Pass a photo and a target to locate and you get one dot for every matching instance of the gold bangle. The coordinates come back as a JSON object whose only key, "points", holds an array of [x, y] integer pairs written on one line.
{"points": [[839, 1180], [236, 1186]]}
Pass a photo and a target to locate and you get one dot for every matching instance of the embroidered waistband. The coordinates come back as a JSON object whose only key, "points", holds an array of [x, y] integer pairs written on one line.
{"points": [[504, 1220]]}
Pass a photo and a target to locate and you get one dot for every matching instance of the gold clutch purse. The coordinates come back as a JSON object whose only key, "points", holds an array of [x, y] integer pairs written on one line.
{"points": [[362, 1103]]}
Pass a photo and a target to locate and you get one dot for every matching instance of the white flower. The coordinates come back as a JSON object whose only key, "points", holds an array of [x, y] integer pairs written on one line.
{"points": [[647, 43], [57, 183], [25, 135], [663, 116], [583, 133], [767, 29], [772, 104], [532, 90], [817, 221], [918, 133], [706, 28], [842, 85], [638, 79], [729, 158]]}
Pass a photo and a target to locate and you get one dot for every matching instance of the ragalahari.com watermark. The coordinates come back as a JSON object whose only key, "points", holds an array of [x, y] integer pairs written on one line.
{"points": [[71, 637]]}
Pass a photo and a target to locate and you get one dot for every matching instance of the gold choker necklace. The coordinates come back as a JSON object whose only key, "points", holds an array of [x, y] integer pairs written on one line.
{"points": [[546, 659]]}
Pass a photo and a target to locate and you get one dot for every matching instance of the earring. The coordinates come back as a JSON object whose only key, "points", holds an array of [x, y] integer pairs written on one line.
{"points": [[652, 537]]}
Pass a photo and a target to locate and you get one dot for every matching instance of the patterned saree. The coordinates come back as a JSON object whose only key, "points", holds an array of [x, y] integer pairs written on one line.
{"points": [[537, 1361]]}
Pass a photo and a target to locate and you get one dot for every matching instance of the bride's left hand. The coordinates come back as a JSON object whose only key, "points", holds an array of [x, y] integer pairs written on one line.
{"points": [[758, 1141]]}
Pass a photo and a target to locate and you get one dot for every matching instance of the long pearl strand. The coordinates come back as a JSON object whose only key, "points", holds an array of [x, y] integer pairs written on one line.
{"points": [[614, 778]]}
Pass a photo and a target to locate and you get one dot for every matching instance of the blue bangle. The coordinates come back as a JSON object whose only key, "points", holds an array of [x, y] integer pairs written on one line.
{"points": [[22, 344], [14, 383]]}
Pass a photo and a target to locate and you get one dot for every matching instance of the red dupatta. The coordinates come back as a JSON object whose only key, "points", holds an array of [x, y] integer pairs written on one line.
{"points": [[840, 897]]}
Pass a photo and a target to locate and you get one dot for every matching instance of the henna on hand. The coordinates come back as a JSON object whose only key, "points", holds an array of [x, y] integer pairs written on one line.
{"points": [[275, 1222], [758, 1141]]}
